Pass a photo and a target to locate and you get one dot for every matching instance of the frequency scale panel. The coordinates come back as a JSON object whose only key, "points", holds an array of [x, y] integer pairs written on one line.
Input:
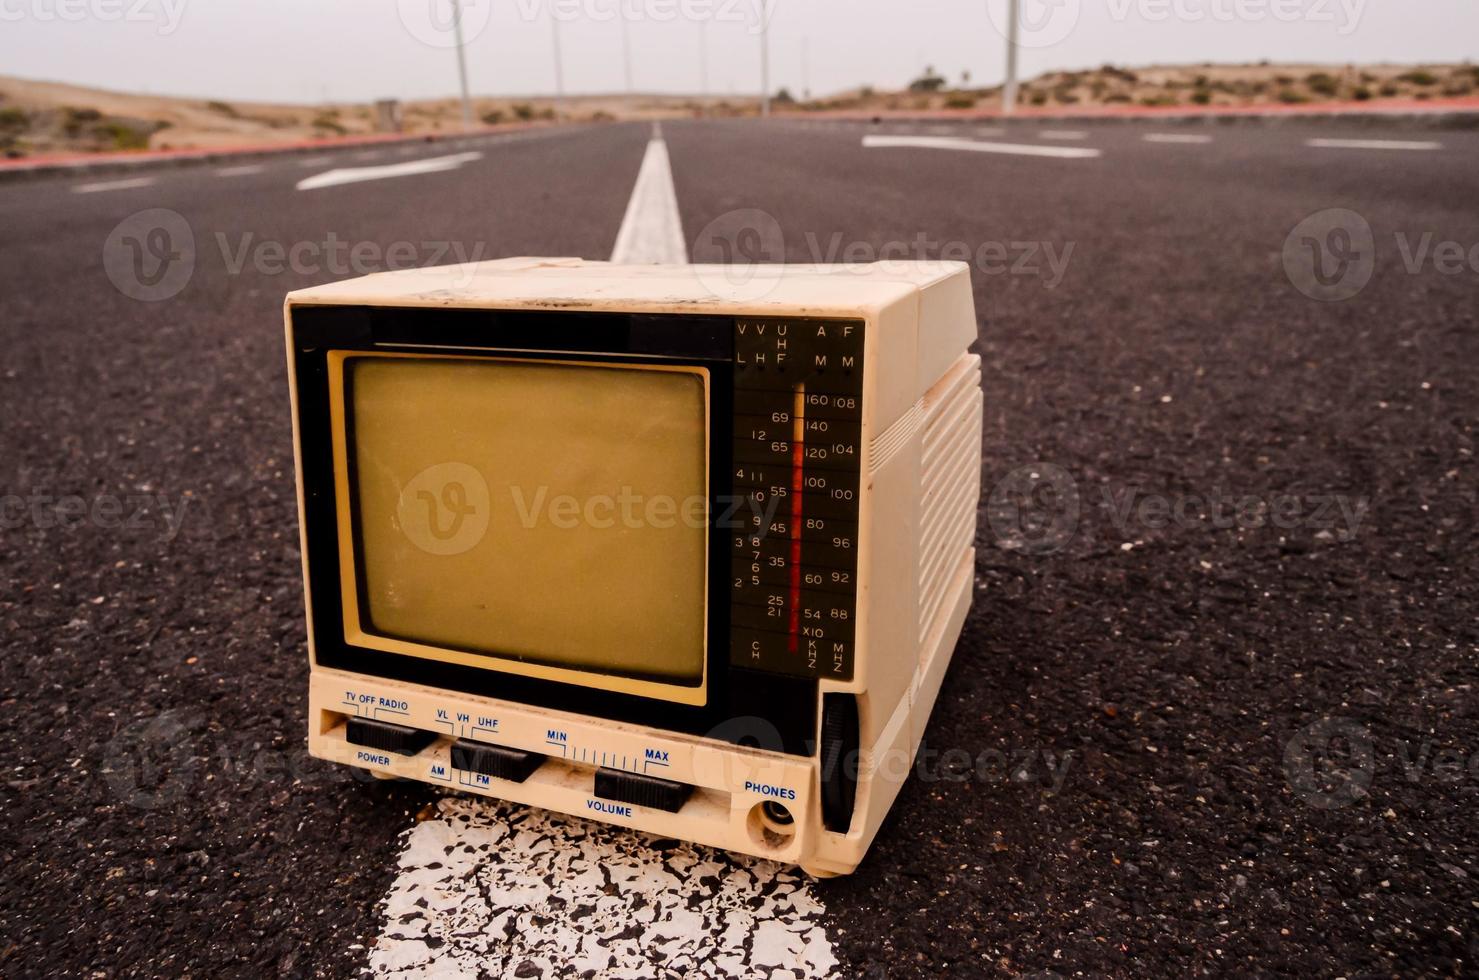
{"points": [[794, 537]]}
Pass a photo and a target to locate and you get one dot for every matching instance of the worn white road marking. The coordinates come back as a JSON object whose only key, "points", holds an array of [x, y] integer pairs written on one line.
{"points": [[496, 889], [371, 154], [1176, 138], [241, 171], [979, 146], [1063, 134], [489, 888], [353, 175], [112, 185], [315, 161], [1334, 144], [652, 230]]}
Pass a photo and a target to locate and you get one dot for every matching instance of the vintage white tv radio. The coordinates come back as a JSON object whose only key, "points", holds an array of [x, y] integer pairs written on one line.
{"points": [[667, 547]]}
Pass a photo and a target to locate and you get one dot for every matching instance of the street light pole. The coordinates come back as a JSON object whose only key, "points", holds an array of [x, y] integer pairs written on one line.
{"points": [[703, 58], [805, 73], [554, 24], [764, 62], [1009, 91], [626, 52], [461, 63]]}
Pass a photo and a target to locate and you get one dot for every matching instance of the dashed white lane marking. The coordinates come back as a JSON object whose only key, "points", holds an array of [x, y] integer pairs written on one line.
{"points": [[1334, 144], [979, 146], [495, 889], [112, 185], [243, 171], [1176, 138], [1063, 134], [315, 161], [354, 175], [652, 230], [373, 154]]}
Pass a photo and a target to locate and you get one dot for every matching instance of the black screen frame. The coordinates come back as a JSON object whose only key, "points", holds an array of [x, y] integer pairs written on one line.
{"points": [[742, 706]]}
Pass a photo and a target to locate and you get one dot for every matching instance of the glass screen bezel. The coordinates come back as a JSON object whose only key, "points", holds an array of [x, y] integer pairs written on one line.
{"points": [[744, 706], [351, 569]]}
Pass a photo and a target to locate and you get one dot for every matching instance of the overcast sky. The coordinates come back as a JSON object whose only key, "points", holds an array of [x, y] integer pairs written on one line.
{"points": [[309, 50]]}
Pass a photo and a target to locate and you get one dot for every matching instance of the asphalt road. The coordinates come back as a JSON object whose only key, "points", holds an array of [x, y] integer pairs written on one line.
{"points": [[1214, 710]]}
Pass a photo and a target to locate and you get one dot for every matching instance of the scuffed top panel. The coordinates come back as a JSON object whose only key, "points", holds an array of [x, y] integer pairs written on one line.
{"points": [[577, 284]]}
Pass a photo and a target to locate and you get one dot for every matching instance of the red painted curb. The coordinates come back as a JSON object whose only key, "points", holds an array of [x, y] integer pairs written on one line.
{"points": [[64, 161], [1375, 108]]}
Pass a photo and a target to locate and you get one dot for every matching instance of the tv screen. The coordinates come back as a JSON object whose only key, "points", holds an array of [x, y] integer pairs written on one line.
{"points": [[527, 513]]}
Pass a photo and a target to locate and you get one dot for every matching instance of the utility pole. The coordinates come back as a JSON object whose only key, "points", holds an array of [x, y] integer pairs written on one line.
{"points": [[764, 61], [554, 23], [1009, 91], [461, 63], [805, 74], [626, 52], [703, 58]]}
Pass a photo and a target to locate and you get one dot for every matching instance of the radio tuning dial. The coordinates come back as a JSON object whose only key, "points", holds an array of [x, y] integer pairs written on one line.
{"points": [[797, 456]]}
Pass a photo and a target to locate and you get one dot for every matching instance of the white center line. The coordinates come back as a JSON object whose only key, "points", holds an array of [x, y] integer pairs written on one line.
{"points": [[652, 230], [1176, 138], [497, 889], [1335, 144], [1063, 134], [489, 888], [977, 146], [354, 175], [242, 171], [112, 185]]}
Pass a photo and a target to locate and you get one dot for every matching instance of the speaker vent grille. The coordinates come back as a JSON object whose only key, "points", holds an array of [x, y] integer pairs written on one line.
{"points": [[949, 482]]}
